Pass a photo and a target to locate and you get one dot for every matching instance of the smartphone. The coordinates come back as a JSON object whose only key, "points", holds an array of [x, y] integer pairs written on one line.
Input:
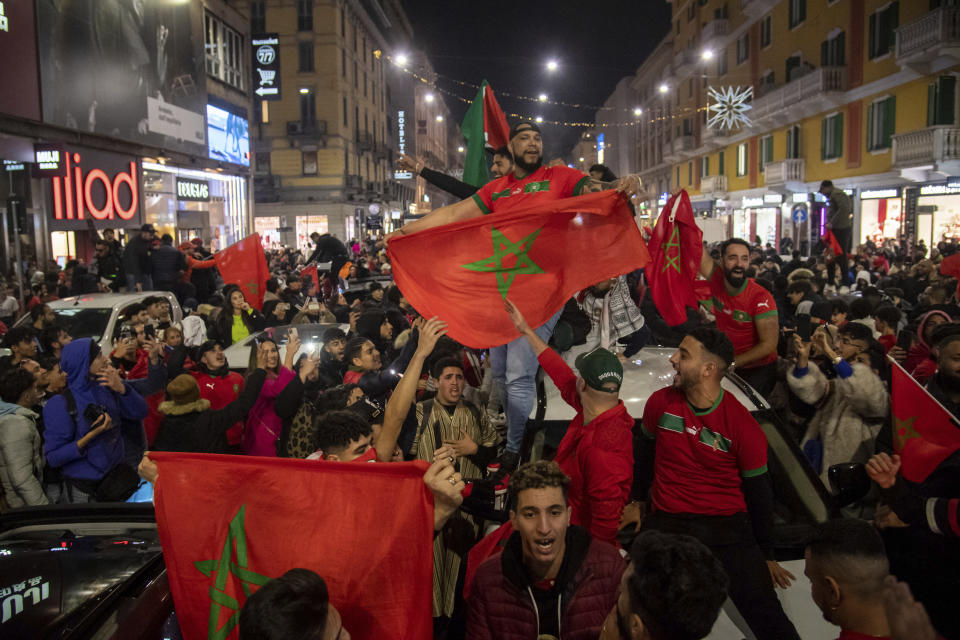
{"points": [[93, 412], [292, 333], [126, 333], [905, 339], [149, 331], [804, 327]]}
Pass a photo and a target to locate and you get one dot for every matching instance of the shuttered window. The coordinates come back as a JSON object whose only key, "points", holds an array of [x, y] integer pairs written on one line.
{"points": [[883, 27], [941, 96], [880, 123], [831, 137]]}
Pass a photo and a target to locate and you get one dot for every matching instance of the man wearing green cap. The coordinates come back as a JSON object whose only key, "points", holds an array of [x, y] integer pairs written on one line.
{"points": [[597, 450]]}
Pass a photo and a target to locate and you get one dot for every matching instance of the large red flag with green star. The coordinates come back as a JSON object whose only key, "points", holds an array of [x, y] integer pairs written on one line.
{"points": [[228, 524], [924, 432], [676, 247], [538, 257], [244, 264]]}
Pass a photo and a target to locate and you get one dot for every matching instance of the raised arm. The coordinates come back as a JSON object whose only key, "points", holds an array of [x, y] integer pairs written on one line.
{"points": [[536, 342], [406, 391], [768, 333], [463, 210]]}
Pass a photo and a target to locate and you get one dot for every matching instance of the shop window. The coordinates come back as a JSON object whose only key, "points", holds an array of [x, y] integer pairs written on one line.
{"points": [[258, 16], [881, 117], [831, 137], [766, 32], [766, 151], [308, 107], [833, 51], [793, 142], [941, 96], [704, 166], [309, 163], [742, 154], [262, 163], [883, 28], [798, 12], [743, 48], [224, 52], [720, 164], [305, 55], [304, 15]]}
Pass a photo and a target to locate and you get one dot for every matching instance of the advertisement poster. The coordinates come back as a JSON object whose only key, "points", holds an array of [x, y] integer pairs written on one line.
{"points": [[228, 136], [132, 69]]}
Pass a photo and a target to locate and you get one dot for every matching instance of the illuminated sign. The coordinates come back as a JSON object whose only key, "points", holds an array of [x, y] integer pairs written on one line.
{"points": [[601, 145], [938, 190], [662, 200], [772, 198], [752, 202], [13, 165], [193, 190], [266, 65], [402, 144], [953, 181], [49, 160], [92, 191], [4, 23], [879, 194], [799, 197]]}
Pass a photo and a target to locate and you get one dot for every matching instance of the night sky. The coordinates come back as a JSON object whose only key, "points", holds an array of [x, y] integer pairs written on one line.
{"points": [[509, 43]]}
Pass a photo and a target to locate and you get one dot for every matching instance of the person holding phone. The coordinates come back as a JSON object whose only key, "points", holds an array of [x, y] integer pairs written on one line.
{"points": [[237, 318]]}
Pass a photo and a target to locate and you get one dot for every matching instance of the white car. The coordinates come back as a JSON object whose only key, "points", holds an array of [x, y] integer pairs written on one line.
{"points": [[800, 499], [96, 315], [238, 354]]}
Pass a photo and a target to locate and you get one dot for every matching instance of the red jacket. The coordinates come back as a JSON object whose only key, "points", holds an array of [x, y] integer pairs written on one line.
{"points": [[598, 457], [221, 391], [500, 605]]}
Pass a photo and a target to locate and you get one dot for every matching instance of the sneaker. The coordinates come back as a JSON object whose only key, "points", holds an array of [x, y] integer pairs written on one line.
{"points": [[509, 461]]}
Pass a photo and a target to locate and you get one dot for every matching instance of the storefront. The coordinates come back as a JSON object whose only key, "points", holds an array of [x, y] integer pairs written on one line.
{"points": [[881, 214], [758, 216], [938, 213]]}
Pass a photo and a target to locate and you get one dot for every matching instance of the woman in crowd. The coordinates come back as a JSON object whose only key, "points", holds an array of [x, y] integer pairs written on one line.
{"points": [[264, 426], [237, 318]]}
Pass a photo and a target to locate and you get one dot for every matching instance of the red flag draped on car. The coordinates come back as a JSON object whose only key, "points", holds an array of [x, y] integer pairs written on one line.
{"points": [[538, 257], [245, 264], [924, 432], [228, 524], [312, 272], [831, 241], [676, 247]]}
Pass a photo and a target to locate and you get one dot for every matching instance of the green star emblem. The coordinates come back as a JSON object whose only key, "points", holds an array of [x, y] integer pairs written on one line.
{"points": [[674, 260], [503, 247], [252, 288], [224, 567], [903, 431]]}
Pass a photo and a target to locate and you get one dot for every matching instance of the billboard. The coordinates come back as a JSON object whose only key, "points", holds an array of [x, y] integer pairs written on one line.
{"points": [[266, 65], [124, 68], [228, 138], [96, 185], [18, 46]]}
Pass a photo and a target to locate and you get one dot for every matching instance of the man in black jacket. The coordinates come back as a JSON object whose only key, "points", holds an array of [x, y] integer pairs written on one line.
{"points": [[332, 366], [168, 264], [329, 249], [136, 260]]}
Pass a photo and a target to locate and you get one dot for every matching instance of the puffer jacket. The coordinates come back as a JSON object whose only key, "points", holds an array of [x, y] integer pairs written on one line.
{"points": [[850, 411], [501, 605], [61, 434], [21, 457]]}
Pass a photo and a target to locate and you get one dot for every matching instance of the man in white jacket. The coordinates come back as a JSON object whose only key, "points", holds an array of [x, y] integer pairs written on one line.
{"points": [[21, 452]]}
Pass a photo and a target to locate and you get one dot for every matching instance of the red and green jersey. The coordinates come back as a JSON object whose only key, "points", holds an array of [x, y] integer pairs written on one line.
{"points": [[737, 314], [701, 456], [546, 183]]}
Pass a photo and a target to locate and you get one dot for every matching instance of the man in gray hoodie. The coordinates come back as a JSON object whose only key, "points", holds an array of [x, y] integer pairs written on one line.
{"points": [[21, 453]]}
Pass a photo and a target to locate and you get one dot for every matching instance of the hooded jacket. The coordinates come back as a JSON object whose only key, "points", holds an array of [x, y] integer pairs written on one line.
{"points": [[505, 605], [920, 363], [221, 387], [62, 433], [21, 459]]}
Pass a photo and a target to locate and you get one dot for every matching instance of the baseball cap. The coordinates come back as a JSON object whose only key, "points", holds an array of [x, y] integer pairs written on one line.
{"points": [[523, 126], [148, 227], [601, 370], [209, 345]]}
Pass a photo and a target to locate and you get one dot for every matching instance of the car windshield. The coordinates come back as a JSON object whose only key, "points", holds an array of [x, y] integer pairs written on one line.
{"points": [[84, 322]]}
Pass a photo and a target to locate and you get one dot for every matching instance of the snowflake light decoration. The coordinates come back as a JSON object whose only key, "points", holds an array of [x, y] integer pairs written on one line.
{"points": [[729, 107]]}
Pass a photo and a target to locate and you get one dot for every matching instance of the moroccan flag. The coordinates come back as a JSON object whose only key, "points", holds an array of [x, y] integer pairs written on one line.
{"points": [[311, 271], [228, 524], [831, 241], [538, 257], [245, 264], [924, 432], [484, 127], [676, 247]]}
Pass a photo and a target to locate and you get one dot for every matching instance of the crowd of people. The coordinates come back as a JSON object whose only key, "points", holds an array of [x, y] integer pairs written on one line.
{"points": [[638, 526]]}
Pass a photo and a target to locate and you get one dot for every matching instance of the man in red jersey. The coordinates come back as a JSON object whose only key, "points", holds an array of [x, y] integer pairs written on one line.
{"points": [[514, 365], [746, 312], [709, 478], [218, 384]]}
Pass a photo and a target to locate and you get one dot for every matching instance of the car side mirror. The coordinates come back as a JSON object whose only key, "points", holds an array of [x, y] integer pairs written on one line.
{"points": [[849, 482]]}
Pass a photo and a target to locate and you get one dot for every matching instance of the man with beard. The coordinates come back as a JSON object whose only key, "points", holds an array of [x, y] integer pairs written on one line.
{"points": [[673, 588], [218, 384], [944, 385], [746, 312], [332, 367], [708, 460], [514, 365]]}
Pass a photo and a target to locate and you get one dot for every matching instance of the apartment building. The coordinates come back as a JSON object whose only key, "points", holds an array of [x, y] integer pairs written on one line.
{"points": [[861, 92]]}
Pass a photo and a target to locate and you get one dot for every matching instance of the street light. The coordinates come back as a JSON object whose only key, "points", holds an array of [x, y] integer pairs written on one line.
{"points": [[304, 90], [664, 88], [637, 111], [439, 118], [543, 97], [539, 118], [581, 158], [459, 149], [401, 59], [428, 97], [552, 65], [707, 54]]}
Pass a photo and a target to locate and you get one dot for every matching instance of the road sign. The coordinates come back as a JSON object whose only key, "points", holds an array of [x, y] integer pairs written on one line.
{"points": [[799, 213], [266, 65]]}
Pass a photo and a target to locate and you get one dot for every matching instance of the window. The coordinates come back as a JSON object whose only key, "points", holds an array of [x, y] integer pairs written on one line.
{"points": [[722, 63], [304, 15], [940, 98], [704, 166], [364, 84], [742, 159], [343, 22], [798, 12], [768, 81], [880, 123], [224, 52], [794, 67], [356, 76], [345, 118], [766, 31], [831, 137], [690, 172], [688, 126], [766, 151], [678, 175], [258, 16], [343, 63], [743, 48], [793, 142], [721, 13], [691, 12], [832, 51], [262, 163], [883, 27], [720, 168], [305, 51], [690, 88], [309, 163], [308, 108]]}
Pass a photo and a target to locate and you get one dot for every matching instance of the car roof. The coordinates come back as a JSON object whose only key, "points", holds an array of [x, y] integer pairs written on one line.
{"points": [[105, 299]]}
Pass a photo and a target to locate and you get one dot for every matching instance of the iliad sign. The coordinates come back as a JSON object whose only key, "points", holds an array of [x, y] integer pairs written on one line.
{"points": [[98, 185]]}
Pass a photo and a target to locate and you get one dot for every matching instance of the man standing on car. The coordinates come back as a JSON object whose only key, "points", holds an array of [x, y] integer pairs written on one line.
{"points": [[708, 460], [136, 260]]}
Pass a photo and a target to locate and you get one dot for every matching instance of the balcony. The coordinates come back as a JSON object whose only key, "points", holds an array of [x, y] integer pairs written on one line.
{"points": [[788, 174], [712, 138], [714, 32], [677, 148], [306, 128], [927, 154], [932, 40], [817, 91], [365, 142], [756, 8], [683, 63], [713, 184]]}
